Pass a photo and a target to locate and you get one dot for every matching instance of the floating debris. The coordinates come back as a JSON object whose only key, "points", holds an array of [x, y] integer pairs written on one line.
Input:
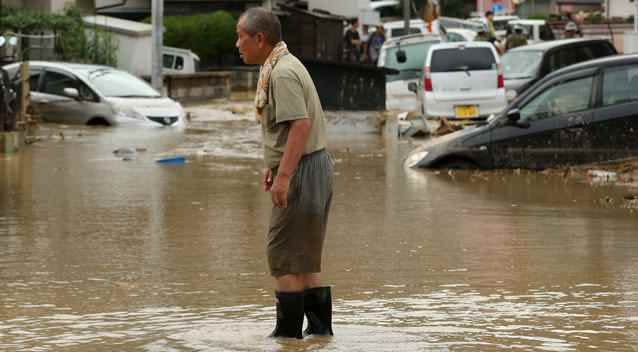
{"points": [[602, 176], [172, 159]]}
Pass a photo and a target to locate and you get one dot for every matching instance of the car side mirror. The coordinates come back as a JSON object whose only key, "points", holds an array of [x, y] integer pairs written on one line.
{"points": [[401, 56], [412, 87], [514, 119], [72, 93], [513, 116]]}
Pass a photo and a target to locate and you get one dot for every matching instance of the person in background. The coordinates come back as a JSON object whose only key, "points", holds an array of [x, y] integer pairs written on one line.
{"points": [[376, 40], [364, 36], [481, 35], [516, 38], [572, 30], [491, 32], [352, 42]]}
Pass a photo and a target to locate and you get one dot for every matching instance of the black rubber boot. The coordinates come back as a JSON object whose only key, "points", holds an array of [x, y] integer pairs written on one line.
{"points": [[318, 309], [290, 309]]}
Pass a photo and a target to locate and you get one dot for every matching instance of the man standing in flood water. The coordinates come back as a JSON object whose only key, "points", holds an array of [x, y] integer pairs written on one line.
{"points": [[298, 175]]}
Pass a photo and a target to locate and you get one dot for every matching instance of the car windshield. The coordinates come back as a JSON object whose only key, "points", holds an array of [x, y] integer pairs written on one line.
{"points": [[521, 64], [119, 84], [415, 58], [397, 32]]}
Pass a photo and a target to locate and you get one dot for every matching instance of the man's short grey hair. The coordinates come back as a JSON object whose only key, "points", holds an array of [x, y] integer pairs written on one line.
{"points": [[258, 19]]}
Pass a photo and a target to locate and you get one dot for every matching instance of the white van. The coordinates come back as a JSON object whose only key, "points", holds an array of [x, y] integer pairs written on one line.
{"points": [[176, 60], [463, 81], [536, 30]]}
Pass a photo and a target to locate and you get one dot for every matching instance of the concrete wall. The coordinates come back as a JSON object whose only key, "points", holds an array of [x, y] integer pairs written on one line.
{"points": [[620, 8], [348, 8], [198, 86], [130, 4], [134, 54]]}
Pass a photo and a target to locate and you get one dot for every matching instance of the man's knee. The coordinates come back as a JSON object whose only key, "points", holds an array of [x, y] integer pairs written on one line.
{"points": [[290, 283]]}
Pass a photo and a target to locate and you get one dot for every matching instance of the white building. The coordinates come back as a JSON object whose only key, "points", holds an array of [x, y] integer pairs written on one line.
{"points": [[133, 40], [619, 8], [50, 6]]}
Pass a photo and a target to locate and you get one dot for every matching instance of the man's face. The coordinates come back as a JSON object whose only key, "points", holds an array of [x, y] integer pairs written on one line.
{"points": [[251, 47]]}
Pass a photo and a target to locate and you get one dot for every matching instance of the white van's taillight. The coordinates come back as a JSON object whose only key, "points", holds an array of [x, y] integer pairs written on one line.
{"points": [[500, 81], [427, 80]]}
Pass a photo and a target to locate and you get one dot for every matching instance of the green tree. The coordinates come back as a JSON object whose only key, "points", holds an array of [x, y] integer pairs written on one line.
{"points": [[209, 36]]}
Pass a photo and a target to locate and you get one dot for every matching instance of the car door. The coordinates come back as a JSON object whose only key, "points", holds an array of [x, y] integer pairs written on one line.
{"points": [[532, 147], [55, 106], [35, 73], [615, 123], [537, 143], [574, 103]]}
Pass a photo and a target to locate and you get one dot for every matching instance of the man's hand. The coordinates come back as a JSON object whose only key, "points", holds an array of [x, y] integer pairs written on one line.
{"points": [[266, 182], [279, 191]]}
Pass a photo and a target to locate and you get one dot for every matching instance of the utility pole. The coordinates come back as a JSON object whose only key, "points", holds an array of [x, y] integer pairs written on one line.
{"points": [[406, 16], [156, 56]]}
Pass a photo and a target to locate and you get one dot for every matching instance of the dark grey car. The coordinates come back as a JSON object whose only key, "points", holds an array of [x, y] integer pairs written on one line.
{"points": [[525, 65], [583, 113]]}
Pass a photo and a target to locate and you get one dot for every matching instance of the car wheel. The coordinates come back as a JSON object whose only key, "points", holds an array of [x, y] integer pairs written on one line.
{"points": [[458, 164]]}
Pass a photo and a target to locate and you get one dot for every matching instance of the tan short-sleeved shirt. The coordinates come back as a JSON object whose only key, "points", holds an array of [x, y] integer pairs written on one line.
{"points": [[291, 95]]}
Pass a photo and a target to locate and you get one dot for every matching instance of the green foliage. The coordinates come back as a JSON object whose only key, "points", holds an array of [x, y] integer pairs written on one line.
{"points": [[71, 40], [31, 22], [71, 43], [209, 35], [539, 16], [453, 8]]}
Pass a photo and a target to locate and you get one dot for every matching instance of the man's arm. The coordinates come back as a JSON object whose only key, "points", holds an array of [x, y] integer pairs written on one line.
{"points": [[295, 146]]}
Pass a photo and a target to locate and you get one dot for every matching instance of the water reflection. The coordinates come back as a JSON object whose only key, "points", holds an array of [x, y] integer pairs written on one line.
{"points": [[96, 252]]}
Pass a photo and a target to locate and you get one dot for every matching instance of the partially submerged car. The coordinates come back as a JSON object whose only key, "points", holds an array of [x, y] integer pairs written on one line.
{"points": [[94, 95], [584, 113], [525, 65]]}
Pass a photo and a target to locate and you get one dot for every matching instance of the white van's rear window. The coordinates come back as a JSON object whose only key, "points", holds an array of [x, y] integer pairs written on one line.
{"points": [[466, 59]]}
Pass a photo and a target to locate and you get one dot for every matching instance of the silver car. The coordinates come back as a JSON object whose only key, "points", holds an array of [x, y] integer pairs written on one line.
{"points": [[94, 95]]}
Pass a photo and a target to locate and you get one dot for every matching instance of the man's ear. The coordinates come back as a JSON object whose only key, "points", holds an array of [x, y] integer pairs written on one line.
{"points": [[261, 39]]}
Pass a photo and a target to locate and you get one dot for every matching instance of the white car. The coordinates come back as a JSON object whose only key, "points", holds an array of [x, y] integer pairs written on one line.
{"points": [[395, 29], [500, 24], [95, 95], [462, 81], [536, 30], [460, 35], [415, 48]]}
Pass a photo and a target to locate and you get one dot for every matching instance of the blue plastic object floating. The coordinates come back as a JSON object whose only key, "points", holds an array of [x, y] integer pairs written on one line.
{"points": [[174, 159]]}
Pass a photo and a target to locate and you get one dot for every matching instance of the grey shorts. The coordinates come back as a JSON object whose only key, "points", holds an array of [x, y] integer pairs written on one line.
{"points": [[296, 234]]}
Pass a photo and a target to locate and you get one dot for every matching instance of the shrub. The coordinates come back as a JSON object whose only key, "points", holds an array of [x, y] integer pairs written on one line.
{"points": [[71, 41], [209, 36]]}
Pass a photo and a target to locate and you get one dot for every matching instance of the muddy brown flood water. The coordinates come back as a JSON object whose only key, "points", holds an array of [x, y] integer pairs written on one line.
{"points": [[100, 254]]}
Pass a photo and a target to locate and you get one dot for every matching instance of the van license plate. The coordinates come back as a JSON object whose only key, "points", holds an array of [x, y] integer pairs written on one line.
{"points": [[465, 111]]}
